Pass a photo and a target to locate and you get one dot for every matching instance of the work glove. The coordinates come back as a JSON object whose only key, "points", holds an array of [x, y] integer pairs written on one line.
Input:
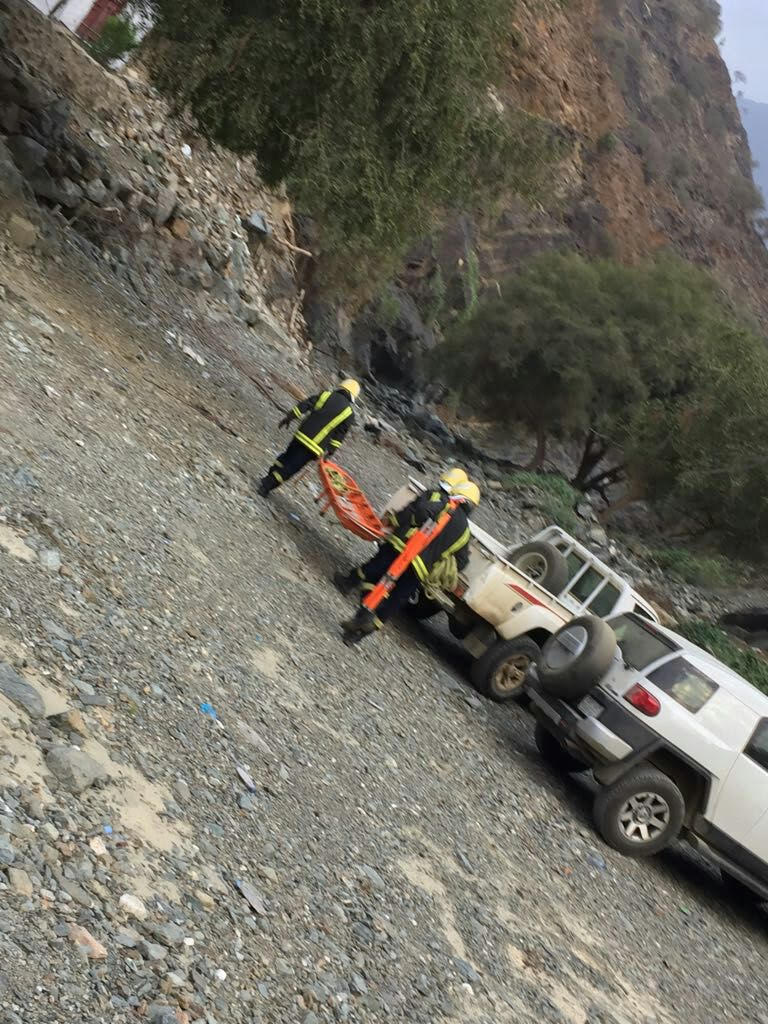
{"points": [[286, 420]]}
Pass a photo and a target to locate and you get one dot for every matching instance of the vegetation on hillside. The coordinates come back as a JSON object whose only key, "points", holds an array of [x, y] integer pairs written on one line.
{"points": [[646, 363], [116, 40], [551, 494], [376, 117], [736, 656], [699, 568]]}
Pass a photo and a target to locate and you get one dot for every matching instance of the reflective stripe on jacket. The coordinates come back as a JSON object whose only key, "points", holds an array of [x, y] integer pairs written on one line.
{"points": [[453, 540], [330, 417]]}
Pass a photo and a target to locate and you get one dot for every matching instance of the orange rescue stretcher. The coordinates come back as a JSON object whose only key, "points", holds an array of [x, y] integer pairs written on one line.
{"points": [[352, 508]]}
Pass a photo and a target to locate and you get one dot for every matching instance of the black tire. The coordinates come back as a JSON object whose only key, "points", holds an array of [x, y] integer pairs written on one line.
{"points": [[576, 657], [621, 824], [500, 672], [424, 608], [554, 753], [543, 563]]}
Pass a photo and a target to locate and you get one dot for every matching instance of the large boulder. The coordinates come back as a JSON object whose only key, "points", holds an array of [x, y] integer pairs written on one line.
{"points": [[28, 155], [74, 769], [20, 692]]}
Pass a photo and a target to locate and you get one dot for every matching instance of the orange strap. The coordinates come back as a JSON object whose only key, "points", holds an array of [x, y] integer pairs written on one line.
{"points": [[416, 543]]}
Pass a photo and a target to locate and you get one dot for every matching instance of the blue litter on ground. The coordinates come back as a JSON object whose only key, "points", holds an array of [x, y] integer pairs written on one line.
{"points": [[210, 710]]}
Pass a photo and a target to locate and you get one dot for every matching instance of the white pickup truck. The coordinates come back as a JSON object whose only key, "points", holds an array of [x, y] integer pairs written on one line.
{"points": [[510, 600]]}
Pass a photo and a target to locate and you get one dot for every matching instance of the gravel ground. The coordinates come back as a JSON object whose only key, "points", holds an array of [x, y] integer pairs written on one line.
{"points": [[357, 835]]}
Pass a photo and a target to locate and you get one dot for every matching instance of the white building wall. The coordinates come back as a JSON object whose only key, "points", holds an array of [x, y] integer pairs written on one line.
{"points": [[71, 13]]}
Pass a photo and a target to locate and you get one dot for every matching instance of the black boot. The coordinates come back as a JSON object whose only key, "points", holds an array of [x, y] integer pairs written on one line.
{"points": [[266, 485], [359, 626], [347, 583]]}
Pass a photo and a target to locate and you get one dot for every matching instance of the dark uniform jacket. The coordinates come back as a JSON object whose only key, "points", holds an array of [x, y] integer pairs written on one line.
{"points": [[452, 540], [330, 417]]}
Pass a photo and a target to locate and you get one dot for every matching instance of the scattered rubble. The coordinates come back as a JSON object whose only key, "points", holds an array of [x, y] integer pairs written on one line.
{"points": [[134, 187], [404, 854]]}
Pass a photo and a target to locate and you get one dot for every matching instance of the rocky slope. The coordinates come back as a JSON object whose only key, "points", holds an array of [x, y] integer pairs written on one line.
{"points": [[210, 810], [142, 190], [658, 158]]}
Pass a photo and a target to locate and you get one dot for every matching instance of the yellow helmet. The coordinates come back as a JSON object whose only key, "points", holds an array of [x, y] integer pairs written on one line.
{"points": [[351, 386], [466, 491], [451, 477]]}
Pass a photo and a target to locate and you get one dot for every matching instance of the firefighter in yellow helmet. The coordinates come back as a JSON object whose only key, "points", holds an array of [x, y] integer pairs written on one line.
{"points": [[451, 542], [451, 477], [325, 420], [433, 502]]}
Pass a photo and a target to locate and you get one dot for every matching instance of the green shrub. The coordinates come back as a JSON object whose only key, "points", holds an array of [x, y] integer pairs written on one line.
{"points": [[377, 118], [744, 195], [552, 496], [117, 39], [387, 308], [702, 570], [721, 646], [707, 17], [471, 282], [432, 302], [607, 143]]}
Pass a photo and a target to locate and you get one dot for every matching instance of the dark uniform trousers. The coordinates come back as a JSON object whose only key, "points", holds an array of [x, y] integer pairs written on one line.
{"points": [[453, 540], [328, 417], [294, 458], [376, 567]]}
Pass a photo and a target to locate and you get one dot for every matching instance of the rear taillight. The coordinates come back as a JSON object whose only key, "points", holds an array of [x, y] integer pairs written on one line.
{"points": [[644, 701]]}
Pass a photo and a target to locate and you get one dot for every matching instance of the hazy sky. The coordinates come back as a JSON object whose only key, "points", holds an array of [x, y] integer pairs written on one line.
{"points": [[745, 27]]}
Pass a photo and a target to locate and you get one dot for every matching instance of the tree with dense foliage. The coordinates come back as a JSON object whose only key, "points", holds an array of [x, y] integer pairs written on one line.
{"points": [[647, 362], [706, 450], [376, 116]]}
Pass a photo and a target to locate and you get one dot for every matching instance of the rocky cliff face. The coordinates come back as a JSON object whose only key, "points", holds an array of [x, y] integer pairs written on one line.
{"points": [[140, 189], [659, 158]]}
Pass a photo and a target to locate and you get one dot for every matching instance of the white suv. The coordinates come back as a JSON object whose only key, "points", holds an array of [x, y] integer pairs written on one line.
{"points": [[677, 741]]}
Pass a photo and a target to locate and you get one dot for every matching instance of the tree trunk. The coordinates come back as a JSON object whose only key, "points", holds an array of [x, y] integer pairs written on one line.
{"points": [[537, 461], [595, 450], [600, 481]]}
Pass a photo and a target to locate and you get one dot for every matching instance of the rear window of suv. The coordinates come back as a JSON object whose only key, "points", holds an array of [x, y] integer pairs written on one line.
{"points": [[757, 748], [684, 683], [640, 645], [605, 601]]}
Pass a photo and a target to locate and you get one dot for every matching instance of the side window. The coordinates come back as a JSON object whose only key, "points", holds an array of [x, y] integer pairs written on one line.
{"points": [[605, 601], [757, 748], [585, 585], [639, 610], [575, 564], [684, 683]]}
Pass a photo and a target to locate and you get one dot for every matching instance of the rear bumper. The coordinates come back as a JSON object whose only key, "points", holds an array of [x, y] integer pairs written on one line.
{"points": [[613, 736]]}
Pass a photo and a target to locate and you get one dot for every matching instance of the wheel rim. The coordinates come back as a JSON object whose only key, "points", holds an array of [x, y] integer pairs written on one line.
{"points": [[533, 565], [644, 817], [510, 676], [566, 647]]}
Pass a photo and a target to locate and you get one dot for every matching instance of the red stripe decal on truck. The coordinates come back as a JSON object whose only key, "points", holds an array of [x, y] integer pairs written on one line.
{"points": [[524, 594], [534, 600]]}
